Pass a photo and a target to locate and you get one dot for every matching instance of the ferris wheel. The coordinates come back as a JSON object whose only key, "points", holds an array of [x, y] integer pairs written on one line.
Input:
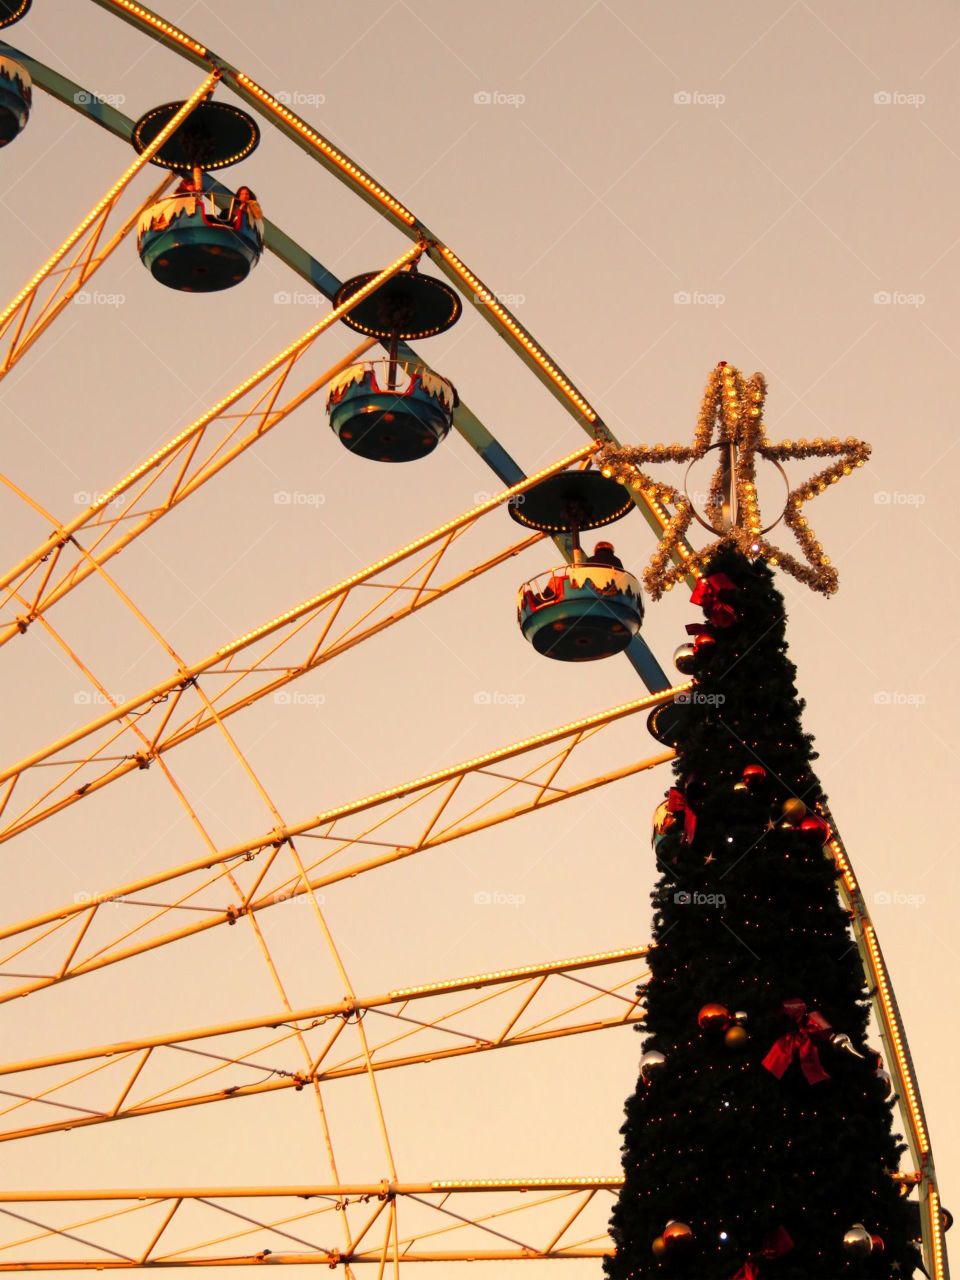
{"points": [[385, 405]]}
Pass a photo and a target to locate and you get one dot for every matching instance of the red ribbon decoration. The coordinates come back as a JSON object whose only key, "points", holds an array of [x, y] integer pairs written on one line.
{"points": [[677, 803], [707, 594], [775, 1246], [799, 1044]]}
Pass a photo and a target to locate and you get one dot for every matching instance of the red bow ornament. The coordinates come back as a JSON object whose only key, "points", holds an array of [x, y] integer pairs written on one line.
{"points": [[708, 594], [799, 1043], [677, 803], [775, 1246]]}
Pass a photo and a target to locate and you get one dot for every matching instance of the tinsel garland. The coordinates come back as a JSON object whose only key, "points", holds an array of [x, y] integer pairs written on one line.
{"points": [[732, 413]]}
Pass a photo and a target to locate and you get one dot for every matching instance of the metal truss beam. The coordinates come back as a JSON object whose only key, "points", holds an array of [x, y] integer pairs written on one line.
{"points": [[247, 865], [84, 238], [335, 635], [528, 1219], [54, 290], [177, 469], [513, 1001]]}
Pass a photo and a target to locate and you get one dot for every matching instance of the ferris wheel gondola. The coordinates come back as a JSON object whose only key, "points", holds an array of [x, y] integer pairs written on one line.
{"points": [[591, 608], [186, 240], [394, 410], [16, 86]]}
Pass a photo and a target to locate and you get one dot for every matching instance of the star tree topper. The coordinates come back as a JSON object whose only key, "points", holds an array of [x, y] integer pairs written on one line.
{"points": [[731, 421]]}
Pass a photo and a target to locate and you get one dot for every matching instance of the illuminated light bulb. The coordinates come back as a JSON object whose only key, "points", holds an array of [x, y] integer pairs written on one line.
{"points": [[164, 27]]}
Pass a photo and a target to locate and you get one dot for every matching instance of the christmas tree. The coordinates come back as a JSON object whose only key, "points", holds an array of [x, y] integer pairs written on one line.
{"points": [[759, 1142], [760, 1129]]}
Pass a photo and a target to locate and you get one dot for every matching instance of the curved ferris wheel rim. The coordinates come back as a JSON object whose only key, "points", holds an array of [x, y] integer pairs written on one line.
{"points": [[489, 448]]}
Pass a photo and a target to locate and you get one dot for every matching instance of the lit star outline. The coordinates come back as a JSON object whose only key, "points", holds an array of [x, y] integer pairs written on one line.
{"points": [[732, 411]]}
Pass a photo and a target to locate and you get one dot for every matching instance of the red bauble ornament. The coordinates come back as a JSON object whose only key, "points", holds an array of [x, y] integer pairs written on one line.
{"points": [[815, 828], [714, 1017], [878, 1245], [659, 1247], [677, 1237], [754, 773], [704, 644]]}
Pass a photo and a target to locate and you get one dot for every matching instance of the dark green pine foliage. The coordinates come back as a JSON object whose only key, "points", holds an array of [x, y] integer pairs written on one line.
{"points": [[714, 1140]]}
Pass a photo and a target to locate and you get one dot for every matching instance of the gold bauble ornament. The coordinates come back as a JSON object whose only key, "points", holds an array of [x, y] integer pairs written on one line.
{"points": [[794, 810]]}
